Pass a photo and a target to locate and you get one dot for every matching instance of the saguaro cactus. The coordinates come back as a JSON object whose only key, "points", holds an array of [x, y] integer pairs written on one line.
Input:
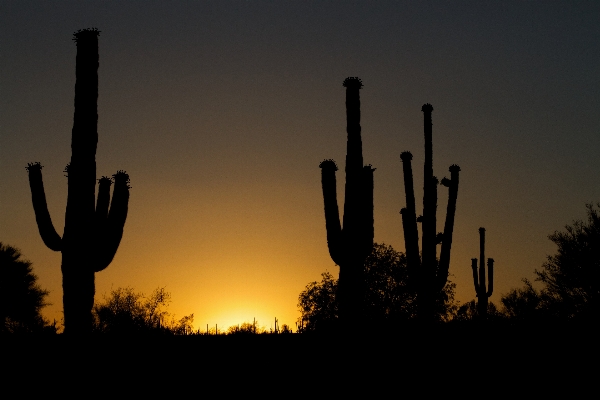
{"points": [[479, 279], [350, 245], [427, 273], [92, 231]]}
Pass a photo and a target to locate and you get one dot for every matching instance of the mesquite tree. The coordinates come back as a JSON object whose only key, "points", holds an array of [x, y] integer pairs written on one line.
{"points": [[428, 274], [350, 245], [93, 229]]}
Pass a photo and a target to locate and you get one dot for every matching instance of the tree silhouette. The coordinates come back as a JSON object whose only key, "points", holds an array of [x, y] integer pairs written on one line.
{"points": [[317, 303], [92, 232], [427, 273], [572, 276], [246, 328], [470, 311], [389, 298], [21, 298], [524, 304], [349, 245], [125, 312]]}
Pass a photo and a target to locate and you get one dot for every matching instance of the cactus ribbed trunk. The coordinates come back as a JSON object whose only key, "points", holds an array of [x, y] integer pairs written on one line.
{"points": [[350, 245], [479, 278], [92, 231], [427, 274]]}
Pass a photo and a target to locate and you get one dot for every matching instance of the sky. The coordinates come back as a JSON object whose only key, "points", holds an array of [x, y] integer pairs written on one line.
{"points": [[221, 112]]}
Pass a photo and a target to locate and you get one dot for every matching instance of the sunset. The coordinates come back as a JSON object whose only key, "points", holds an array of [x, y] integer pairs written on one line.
{"points": [[221, 114]]}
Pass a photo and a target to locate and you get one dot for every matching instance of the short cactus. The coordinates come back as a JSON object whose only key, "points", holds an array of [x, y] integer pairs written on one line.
{"points": [[479, 279], [428, 275], [351, 245], [93, 229]]}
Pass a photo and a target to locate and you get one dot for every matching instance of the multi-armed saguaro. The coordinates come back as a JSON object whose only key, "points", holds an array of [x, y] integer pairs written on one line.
{"points": [[479, 279], [351, 245], [92, 232], [429, 275]]}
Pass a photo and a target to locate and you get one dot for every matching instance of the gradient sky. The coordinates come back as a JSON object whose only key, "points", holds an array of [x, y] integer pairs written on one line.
{"points": [[221, 112]]}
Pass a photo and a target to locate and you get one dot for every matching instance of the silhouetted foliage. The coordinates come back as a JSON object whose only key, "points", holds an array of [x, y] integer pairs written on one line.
{"points": [[125, 312], [570, 291], [572, 276], [525, 304], [470, 312], [21, 298], [317, 303], [350, 243], [389, 297], [428, 274], [246, 328], [92, 232]]}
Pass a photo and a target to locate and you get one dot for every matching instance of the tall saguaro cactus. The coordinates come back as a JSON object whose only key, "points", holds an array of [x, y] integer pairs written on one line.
{"points": [[93, 229], [427, 273], [479, 279], [350, 245]]}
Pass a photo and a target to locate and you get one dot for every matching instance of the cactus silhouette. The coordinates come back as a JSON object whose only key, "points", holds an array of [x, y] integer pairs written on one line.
{"points": [[350, 245], [479, 279], [428, 275], [93, 230]]}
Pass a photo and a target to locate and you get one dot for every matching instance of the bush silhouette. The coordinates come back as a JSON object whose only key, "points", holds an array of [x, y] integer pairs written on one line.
{"points": [[571, 277], [246, 328], [524, 304], [389, 298], [125, 312], [21, 298]]}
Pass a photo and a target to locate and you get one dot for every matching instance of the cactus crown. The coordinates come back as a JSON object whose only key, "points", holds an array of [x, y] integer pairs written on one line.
{"points": [[427, 107], [369, 167], [406, 156], [328, 164], [454, 168], [481, 230], [122, 177], [105, 180], [34, 166], [82, 34], [353, 82]]}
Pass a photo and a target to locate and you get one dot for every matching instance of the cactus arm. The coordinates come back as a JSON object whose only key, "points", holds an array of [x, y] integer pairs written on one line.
{"points": [[490, 263], [409, 217], [111, 235], [42, 216], [332, 217], [367, 214], [475, 275], [103, 201], [482, 260], [444, 263], [427, 128]]}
